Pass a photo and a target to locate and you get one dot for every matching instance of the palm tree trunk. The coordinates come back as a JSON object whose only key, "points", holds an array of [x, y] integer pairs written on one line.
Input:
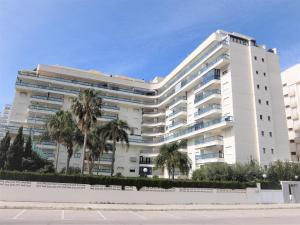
{"points": [[113, 158], [83, 152], [173, 172], [68, 164], [57, 154]]}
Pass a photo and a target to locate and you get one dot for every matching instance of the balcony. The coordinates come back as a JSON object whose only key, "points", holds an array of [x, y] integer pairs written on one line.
{"points": [[208, 141], [181, 111], [46, 99], [209, 157], [209, 110], [107, 117], [190, 131], [207, 95], [177, 101], [215, 76], [110, 108], [176, 125], [43, 109], [153, 123], [153, 114]]}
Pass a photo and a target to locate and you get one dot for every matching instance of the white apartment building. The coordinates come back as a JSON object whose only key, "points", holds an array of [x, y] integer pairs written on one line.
{"points": [[224, 98], [4, 115], [291, 93]]}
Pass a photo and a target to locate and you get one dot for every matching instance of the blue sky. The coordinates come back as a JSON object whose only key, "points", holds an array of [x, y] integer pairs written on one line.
{"points": [[140, 38]]}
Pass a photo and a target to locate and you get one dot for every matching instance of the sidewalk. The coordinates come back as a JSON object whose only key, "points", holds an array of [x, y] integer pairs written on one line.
{"points": [[125, 207]]}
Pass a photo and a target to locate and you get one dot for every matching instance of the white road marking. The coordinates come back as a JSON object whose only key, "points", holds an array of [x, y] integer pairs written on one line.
{"points": [[62, 215], [170, 215], [101, 214], [19, 214], [138, 215]]}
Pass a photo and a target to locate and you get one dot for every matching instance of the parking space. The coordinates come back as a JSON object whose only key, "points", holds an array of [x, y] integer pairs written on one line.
{"points": [[60, 217]]}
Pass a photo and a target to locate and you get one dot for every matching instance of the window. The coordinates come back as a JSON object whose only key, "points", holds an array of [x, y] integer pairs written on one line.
{"points": [[257, 86], [264, 150], [267, 102], [132, 170], [261, 117], [270, 133], [259, 101], [265, 74], [289, 117], [269, 118], [290, 128], [266, 88], [262, 59], [292, 141], [256, 72], [262, 133], [293, 153], [284, 85], [255, 58], [272, 151]]}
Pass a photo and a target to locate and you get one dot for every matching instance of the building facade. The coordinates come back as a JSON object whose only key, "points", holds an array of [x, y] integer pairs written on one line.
{"points": [[291, 93], [223, 99], [4, 115]]}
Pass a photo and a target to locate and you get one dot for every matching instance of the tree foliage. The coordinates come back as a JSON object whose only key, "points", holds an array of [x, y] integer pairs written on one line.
{"points": [[4, 147], [171, 158], [116, 131], [226, 172], [87, 108], [15, 152]]}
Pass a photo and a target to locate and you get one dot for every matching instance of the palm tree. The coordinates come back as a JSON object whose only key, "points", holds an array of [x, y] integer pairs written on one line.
{"points": [[116, 131], [71, 136], [170, 157], [97, 144], [54, 128], [86, 107]]}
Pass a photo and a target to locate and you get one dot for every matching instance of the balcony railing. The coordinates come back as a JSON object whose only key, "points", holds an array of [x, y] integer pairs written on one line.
{"points": [[176, 123], [208, 139], [35, 107], [177, 111], [48, 98], [114, 107], [207, 109], [206, 94], [210, 155], [189, 67], [192, 128]]}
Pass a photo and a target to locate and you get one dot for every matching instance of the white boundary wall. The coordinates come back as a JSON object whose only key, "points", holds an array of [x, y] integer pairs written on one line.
{"points": [[81, 193]]}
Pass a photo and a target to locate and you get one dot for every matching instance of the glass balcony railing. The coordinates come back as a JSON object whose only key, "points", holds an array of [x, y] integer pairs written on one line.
{"points": [[206, 94], [177, 111], [207, 79], [209, 156], [192, 128], [76, 92], [111, 117], [176, 123], [44, 108], [208, 139], [207, 109], [36, 119], [111, 107], [47, 98], [194, 63]]}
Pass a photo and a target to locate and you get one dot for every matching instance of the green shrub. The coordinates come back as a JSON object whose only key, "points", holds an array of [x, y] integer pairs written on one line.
{"points": [[122, 181], [249, 172]]}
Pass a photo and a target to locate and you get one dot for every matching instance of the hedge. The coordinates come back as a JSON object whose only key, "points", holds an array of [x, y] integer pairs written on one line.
{"points": [[138, 182]]}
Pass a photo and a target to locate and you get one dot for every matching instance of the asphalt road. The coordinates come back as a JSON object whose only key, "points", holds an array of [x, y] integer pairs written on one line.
{"points": [[216, 217]]}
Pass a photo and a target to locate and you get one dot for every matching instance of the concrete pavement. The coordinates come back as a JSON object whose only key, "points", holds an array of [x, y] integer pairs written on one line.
{"points": [[130, 217], [120, 207]]}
